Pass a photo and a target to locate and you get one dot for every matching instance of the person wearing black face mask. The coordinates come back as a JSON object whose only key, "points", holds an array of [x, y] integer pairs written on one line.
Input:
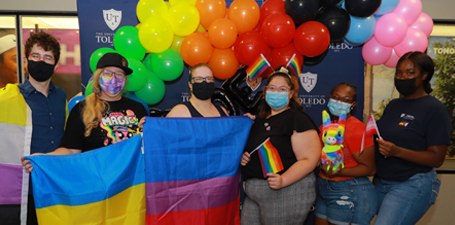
{"points": [[416, 130], [202, 88]]}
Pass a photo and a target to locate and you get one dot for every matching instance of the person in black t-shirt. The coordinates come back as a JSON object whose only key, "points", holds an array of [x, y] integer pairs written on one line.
{"points": [[416, 130], [284, 197]]}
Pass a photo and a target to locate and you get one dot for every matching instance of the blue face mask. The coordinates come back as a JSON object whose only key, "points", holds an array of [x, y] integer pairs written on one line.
{"points": [[277, 100], [337, 107]]}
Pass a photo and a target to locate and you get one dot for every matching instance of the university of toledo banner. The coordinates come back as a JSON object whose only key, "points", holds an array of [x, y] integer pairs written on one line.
{"points": [[105, 186], [192, 169]]}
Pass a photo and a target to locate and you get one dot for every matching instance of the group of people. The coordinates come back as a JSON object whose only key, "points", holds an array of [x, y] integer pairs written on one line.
{"points": [[415, 128]]}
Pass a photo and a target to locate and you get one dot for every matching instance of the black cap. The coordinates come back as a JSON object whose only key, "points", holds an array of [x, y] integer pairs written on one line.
{"points": [[114, 59]]}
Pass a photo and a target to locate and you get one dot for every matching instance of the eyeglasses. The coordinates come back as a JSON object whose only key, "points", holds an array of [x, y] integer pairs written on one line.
{"points": [[201, 79], [342, 99], [118, 74], [279, 89], [46, 58]]}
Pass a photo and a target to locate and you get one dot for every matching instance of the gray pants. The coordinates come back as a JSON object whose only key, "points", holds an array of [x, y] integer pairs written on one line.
{"points": [[289, 205]]}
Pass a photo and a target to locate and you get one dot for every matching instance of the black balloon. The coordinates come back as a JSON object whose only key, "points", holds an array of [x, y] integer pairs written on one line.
{"points": [[336, 20], [362, 8], [220, 96], [301, 11], [313, 61], [329, 3]]}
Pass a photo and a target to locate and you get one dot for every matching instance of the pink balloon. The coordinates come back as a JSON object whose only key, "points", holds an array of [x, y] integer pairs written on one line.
{"points": [[415, 40], [390, 29], [375, 53], [392, 62], [409, 9], [424, 23]]}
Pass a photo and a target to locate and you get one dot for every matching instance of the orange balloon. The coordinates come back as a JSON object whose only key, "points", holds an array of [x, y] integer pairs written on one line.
{"points": [[245, 14], [210, 10], [222, 33], [223, 63], [196, 48]]}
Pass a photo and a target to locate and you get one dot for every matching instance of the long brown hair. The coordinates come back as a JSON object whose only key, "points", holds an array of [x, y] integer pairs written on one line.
{"points": [[94, 107]]}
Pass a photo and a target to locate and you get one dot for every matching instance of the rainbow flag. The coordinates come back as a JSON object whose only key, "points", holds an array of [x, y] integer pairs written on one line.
{"points": [[192, 176], [103, 186], [270, 158], [371, 129], [259, 66], [293, 64]]}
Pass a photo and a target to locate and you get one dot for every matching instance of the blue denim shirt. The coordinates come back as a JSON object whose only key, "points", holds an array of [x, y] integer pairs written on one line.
{"points": [[48, 116]]}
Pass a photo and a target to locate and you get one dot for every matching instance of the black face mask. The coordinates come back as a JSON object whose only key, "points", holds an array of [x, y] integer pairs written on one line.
{"points": [[40, 71], [203, 90], [407, 86]]}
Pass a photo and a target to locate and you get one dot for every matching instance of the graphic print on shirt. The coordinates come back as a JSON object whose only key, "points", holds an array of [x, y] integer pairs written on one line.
{"points": [[118, 126]]}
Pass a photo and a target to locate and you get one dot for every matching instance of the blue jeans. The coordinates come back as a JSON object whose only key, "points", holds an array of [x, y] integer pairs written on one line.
{"points": [[351, 201], [405, 202]]}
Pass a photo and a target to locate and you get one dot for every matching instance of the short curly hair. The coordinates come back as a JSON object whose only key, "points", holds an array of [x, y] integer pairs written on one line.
{"points": [[45, 41]]}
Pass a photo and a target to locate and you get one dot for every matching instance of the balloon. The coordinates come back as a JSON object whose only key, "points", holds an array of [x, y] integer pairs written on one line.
{"points": [[210, 10], [156, 34], [74, 100], [222, 33], [329, 3], [174, 2], [223, 63], [336, 20], [153, 90], [184, 18], [196, 48], [393, 60], [302, 11], [361, 30], [270, 7], [415, 40], [409, 9], [386, 7], [281, 56], [177, 43], [132, 96], [221, 97], [245, 14], [126, 42], [147, 8], [374, 53], [351, 43], [362, 8], [89, 88], [148, 61], [249, 46], [390, 29], [201, 28], [313, 61], [136, 80], [311, 38], [424, 23], [96, 55], [167, 65], [278, 30]]}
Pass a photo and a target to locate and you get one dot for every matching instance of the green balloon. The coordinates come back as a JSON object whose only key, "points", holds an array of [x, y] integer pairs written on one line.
{"points": [[148, 61], [96, 55], [153, 90], [89, 88], [167, 65], [126, 42], [136, 80]]}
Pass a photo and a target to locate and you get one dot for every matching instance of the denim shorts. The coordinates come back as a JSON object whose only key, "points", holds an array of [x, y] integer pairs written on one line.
{"points": [[405, 202], [352, 201]]}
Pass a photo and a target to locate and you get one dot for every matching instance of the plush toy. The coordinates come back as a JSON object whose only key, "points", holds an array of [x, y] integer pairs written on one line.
{"points": [[332, 136]]}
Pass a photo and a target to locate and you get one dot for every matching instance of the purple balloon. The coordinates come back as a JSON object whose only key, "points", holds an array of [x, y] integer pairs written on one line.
{"points": [[390, 29], [415, 40], [375, 53]]}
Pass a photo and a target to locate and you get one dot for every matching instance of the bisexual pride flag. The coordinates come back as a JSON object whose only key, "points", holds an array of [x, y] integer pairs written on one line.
{"points": [[269, 157], [259, 66], [192, 169], [103, 186]]}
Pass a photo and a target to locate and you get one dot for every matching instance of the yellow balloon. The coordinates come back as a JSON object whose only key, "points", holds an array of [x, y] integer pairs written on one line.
{"points": [[177, 42], [173, 2], [184, 18], [138, 26], [156, 34], [200, 28], [147, 8]]}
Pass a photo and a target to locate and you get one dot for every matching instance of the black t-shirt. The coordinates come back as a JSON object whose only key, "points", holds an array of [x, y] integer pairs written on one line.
{"points": [[279, 128], [118, 123], [414, 124]]}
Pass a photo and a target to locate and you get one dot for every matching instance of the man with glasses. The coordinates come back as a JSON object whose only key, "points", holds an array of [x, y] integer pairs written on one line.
{"points": [[33, 122]]}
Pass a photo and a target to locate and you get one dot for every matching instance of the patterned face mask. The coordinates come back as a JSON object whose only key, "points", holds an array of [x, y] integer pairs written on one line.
{"points": [[112, 86]]}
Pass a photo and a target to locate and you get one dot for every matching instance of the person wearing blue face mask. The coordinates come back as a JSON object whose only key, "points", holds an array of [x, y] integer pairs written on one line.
{"points": [[284, 197]]}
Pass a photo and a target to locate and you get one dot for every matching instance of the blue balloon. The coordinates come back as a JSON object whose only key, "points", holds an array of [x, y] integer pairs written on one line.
{"points": [[350, 43], [73, 101], [386, 7], [361, 30]]}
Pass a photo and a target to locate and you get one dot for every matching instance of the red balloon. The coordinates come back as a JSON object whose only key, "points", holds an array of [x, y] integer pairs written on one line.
{"points": [[311, 38], [271, 7], [249, 46], [278, 30], [281, 56]]}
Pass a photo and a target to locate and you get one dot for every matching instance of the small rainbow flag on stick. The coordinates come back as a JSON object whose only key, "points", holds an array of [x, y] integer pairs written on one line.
{"points": [[293, 64], [270, 159], [257, 67], [370, 130]]}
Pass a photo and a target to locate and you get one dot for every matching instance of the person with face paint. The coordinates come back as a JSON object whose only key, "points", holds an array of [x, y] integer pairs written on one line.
{"points": [[287, 196], [350, 184], [202, 88], [416, 130]]}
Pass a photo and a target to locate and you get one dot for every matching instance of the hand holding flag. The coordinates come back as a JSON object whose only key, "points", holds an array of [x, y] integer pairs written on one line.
{"points": [[370, 130], [269, 157]]}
